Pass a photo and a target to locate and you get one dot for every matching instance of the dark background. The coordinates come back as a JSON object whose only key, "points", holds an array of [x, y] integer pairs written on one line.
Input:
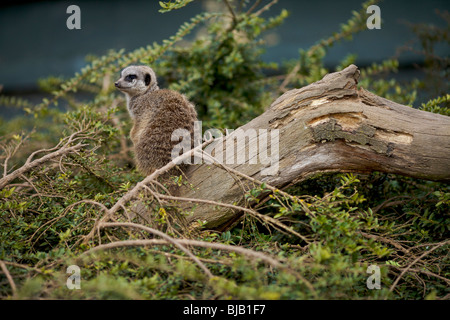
{"points": [[35, 42]]}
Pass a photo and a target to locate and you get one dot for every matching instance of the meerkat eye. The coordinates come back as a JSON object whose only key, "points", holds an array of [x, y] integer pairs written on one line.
{"points": [[130, 77]]}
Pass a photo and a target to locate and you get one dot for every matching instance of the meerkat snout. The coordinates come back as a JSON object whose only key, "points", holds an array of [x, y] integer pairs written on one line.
{"points": [[136, 80]]}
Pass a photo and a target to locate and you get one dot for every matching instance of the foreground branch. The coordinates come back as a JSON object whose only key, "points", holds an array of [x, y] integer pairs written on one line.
{"points": [[161, 234], [218, 246], [133, 193]]}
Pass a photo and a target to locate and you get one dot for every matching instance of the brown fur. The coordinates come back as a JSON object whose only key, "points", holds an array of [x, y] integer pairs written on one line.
{"points": [[165, 111], [156, 114]]}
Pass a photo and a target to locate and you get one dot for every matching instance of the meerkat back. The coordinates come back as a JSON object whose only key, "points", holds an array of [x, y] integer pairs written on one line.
{"points": [[156, 114]]}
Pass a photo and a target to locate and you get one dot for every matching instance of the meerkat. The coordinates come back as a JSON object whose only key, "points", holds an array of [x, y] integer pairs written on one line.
{"points": [[155, 113]]}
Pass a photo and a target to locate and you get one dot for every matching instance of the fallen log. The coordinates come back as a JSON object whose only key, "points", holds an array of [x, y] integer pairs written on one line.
{"points": [[328, 126]]}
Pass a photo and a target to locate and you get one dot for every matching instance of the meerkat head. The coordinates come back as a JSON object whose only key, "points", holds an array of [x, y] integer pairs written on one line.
{"points": [[136, 80]]}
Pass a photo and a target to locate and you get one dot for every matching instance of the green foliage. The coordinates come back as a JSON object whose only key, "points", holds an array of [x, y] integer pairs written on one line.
{"points": [[347, 222], [169, 6], [310, 67], [438, 105], [222, 72]]}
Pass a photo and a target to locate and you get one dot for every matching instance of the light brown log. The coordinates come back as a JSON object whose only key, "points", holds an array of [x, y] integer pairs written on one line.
{"points": [[329, 126]]}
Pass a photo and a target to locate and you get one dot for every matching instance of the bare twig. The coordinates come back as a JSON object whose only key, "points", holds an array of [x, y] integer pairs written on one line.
{"points": [[69, 139], [390, 203], [8, 276], [218, 246], [188, 242], [49, 223], [273, 222], [253, 7], [230, 9], [176, 242], [27, 167], [34, 187], [266, 7], [428, 273], [141, 185], [386, 240], [10, 154], [56, 152], [289, 77], [23, 266], [256, 181], [416, 260]]}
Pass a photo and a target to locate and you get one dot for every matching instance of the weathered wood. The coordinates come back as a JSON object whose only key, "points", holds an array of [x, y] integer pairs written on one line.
{"points": [[329, 126]]}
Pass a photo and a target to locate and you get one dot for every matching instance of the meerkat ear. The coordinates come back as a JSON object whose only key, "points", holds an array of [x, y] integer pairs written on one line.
{"points": [[147, 79]]}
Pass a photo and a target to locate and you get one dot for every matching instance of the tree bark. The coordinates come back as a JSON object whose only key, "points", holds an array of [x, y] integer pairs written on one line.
{"points": [[327, 126]]}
